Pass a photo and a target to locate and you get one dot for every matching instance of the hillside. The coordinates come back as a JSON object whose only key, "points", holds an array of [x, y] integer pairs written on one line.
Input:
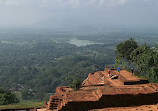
{"points": [[34, 66], [34, 63]]}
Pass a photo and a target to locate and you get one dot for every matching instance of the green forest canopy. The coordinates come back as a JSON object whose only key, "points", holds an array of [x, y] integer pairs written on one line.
{"points": [[36, 69], [144, 57], [33, 64], [6, 97]]}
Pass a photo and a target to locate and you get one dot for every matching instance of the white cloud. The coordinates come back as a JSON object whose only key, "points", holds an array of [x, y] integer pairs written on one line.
{"points": [[12, 2], [77, 11], [16, 2], [77, 3], [49, 3], [72, 3], [112, 2], [147, 0]]}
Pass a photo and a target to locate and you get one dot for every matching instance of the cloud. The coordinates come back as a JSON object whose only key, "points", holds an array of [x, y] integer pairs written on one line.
{"points": [[72, 3], [48, 3], [16, 3], [147, 0], [34, 12], [10, 2], [112, 2], [76, 3]]}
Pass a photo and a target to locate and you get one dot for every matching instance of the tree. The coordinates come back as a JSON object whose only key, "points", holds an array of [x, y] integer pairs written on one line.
{"points": [[138, 51], [123, 50], [6, 97], [144, 57], [76, 84], [27, 94]]}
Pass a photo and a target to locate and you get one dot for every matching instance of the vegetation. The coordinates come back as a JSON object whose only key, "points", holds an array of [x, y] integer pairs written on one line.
{"points": [[24, 104], [144, 57], [6, 97], [34, 66], [76, 84], [34, 63], [123, 50]]}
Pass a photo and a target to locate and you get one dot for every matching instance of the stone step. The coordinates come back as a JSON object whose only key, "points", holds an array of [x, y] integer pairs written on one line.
{"points": [[56, 101]]}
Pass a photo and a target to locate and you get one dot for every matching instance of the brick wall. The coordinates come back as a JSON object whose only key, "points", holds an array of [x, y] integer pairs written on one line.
{"points": [[113, 101]]}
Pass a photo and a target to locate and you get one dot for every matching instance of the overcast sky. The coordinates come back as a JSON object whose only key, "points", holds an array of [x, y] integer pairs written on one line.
{"points": [[78, 13]]}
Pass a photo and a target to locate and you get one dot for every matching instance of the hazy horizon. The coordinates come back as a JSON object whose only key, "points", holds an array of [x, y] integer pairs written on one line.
{"points": [[74, 14]]}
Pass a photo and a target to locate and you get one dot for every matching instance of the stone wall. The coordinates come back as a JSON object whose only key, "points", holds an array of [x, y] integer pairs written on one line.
{"points": [[113, 101]]}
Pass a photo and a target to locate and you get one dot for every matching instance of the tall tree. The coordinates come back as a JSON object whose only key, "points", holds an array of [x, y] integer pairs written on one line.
{"points": [[123, 50], [138, 51], [6, 97]]}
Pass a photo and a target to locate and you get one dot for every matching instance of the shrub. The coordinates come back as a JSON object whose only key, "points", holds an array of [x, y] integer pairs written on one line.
{"points": [[6, 97], [76, 84]]}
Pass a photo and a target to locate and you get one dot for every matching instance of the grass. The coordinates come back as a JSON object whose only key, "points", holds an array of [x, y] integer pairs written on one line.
{"points": [[24, 104]]}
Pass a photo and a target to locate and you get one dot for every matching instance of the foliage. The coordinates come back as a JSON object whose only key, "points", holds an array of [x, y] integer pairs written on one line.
{"points": [[138, 51], [76, 84], [6, 97], [33, 63], [123, 50], [27, 94], [35, 66], [145, 58]]}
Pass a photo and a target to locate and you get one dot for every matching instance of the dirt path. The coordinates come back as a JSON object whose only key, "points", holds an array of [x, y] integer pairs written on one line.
{"points": [[138, 108]]}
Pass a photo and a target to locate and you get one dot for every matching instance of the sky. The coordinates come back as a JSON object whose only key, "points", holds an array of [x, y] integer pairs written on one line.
{"points": [[79, 13]]}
